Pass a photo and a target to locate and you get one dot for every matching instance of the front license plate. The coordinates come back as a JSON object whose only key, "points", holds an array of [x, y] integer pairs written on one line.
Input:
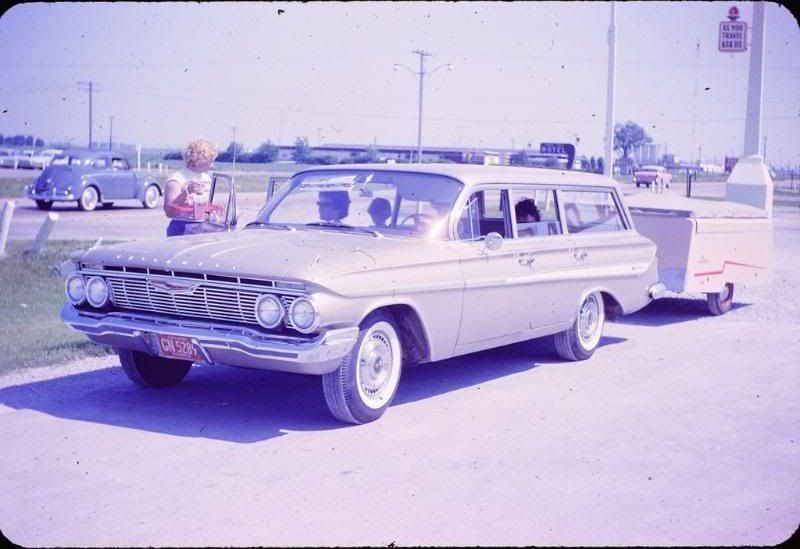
{"points": [[180, 347]]}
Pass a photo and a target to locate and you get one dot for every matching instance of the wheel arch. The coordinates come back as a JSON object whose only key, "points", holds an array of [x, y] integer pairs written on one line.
{"points": [[413, 336]]}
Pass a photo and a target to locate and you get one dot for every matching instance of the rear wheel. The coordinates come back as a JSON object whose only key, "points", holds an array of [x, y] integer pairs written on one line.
{"points": [[365, 383], [44, 204], [89, 199], [720, 303], [151, 195], [152, 371], [581, 339]]}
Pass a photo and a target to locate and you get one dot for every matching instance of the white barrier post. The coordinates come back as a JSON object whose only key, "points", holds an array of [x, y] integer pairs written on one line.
{"points": [[148, 166], [44, 233], [5, 225], [138, 156]]}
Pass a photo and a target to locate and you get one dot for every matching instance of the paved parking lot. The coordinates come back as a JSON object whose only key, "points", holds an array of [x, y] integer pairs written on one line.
{"points": [[681, 430]]}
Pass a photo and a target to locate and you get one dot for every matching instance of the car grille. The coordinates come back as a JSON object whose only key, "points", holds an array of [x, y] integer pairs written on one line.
{"points": [[42, 186], [202, 299]]}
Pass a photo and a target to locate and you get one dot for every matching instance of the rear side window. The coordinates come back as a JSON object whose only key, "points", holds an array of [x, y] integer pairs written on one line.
{"points": [[119, 164], [591, 211], [536, 212], [486, 212], [99, 163]]}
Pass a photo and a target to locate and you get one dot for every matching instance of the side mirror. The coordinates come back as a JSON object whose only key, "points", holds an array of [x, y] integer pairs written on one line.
{"points": [[493, 241]]}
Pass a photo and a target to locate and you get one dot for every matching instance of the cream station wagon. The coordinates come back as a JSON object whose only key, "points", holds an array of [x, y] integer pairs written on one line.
{"points": [[355, 272]]}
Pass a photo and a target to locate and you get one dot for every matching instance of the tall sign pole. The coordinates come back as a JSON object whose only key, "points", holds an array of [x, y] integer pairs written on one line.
{"points": [[749, 182], [608, 165], [755, 84]]}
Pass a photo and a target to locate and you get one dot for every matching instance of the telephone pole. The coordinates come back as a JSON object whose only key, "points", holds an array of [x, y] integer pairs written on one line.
{"points": [[91, 87], [110, 131]]}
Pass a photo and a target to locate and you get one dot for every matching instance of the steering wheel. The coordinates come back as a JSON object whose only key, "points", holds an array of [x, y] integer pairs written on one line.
{"points": [[418, 219]]}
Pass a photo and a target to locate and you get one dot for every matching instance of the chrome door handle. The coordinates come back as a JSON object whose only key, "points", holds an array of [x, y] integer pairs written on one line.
{"points": [[580, 254], [526, 260]]}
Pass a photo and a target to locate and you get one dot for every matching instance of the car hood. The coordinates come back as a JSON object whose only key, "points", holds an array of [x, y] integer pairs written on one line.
{"points": [[332, 259]]}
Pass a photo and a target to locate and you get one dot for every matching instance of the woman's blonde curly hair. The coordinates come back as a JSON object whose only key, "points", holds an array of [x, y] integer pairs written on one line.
{"points": [[198, 152]]}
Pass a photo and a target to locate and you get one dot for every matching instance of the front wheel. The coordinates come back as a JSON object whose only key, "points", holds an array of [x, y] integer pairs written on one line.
{"points": [[580, 340], [44, 204], [89, 199], [720, 303], [152, 371], [363, 386], [151, 195]]}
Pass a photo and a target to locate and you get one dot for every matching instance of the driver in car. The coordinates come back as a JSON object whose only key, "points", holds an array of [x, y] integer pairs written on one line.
{"points": [[333, 206]]}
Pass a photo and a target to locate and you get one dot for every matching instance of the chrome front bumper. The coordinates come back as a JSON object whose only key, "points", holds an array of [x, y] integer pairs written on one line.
{"points": [[217, 343], [50, 194]]}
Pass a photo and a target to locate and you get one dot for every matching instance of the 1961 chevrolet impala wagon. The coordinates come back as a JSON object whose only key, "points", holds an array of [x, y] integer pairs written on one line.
{"points": [[355, 272]]}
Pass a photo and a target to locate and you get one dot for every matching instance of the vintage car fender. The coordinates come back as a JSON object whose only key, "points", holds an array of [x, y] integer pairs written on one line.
{"points": [[146, 183]]}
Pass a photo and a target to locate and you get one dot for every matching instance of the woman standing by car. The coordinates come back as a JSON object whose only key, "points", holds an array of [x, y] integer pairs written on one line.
{"points": [[186, 190]]}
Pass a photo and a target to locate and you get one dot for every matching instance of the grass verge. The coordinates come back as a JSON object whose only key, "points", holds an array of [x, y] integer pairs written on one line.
{"points": [[30, 303]]}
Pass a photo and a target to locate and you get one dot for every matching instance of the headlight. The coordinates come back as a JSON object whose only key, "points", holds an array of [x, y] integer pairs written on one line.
{"points": [[269, 311], [96, 292], [303, 315], [75, 289]]}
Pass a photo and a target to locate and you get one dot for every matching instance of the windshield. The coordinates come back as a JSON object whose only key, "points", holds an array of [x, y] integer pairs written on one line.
{"points": [[369, 200]]}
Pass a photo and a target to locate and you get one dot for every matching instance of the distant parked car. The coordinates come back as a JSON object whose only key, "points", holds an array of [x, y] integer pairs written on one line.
{"points": [[23, 159], [7, 158], [91, 178], [649, 175], [43, 158]]}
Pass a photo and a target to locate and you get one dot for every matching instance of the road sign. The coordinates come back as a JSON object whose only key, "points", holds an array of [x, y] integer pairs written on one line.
{"points": [[559, 148], [733, 36]]}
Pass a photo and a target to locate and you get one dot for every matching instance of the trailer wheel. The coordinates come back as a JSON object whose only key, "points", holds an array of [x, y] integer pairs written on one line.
{"points": [[720, 303]]}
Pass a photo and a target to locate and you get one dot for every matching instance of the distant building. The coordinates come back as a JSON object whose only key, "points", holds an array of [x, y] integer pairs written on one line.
{"points": [[648, 153]]}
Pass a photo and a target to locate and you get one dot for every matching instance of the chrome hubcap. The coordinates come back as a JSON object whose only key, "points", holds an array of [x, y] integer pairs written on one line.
{"points": [[89, 198], [589, 321], [378, 366], [151, 196]]}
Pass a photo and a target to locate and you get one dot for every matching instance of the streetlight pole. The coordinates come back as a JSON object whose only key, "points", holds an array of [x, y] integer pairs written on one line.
{"points": [[110, 131], [421, 74], [234, 148], [608, 165]]}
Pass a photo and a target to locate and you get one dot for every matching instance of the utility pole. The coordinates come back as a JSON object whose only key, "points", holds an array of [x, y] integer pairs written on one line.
{"points": [[91, 87], [110, 131], [608, 164], [421, 74], [755, 83]]}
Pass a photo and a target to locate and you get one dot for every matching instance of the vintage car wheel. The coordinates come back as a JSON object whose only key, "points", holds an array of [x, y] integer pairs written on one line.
{"points": [[720, 303], [89, 199], [151, 195], [44, 204], [152, 371], [365, 383], [579, 341]]}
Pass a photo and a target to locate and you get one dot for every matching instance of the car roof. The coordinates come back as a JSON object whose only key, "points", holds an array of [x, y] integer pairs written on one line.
{"points": [[476, 174], [91, 153]]}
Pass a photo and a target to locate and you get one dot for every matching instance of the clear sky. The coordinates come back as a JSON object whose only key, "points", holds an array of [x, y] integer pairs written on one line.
{"points": [[523, 72]]}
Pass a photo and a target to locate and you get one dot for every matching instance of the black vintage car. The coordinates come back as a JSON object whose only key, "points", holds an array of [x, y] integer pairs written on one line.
{"points": [[91, 178]]}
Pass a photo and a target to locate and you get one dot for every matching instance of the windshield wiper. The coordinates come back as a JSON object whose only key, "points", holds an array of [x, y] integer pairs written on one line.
{"points": [[269, 225], [326, 225]]}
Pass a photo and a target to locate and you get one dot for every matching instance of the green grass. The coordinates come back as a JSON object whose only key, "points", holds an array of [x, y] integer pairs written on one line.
{"points": [[33, 293], [12, 186]]}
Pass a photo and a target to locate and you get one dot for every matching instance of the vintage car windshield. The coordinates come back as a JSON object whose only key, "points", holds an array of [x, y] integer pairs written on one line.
{"points": [[375, 201]]}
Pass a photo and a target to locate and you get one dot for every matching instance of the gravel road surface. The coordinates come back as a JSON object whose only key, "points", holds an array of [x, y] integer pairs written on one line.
{"points": [[683, 429]]}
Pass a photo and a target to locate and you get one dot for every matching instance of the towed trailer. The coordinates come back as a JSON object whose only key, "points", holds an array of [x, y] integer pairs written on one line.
{"points": [[706, 246]]}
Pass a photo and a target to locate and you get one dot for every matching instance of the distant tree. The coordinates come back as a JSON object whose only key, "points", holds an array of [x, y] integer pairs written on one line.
{"points": [[592, 164], [628, 137], [302, 151], [266, 152], [519, 159], [369, 155], [19, 140], [39, 142], [28, 140], [600, 165]]}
